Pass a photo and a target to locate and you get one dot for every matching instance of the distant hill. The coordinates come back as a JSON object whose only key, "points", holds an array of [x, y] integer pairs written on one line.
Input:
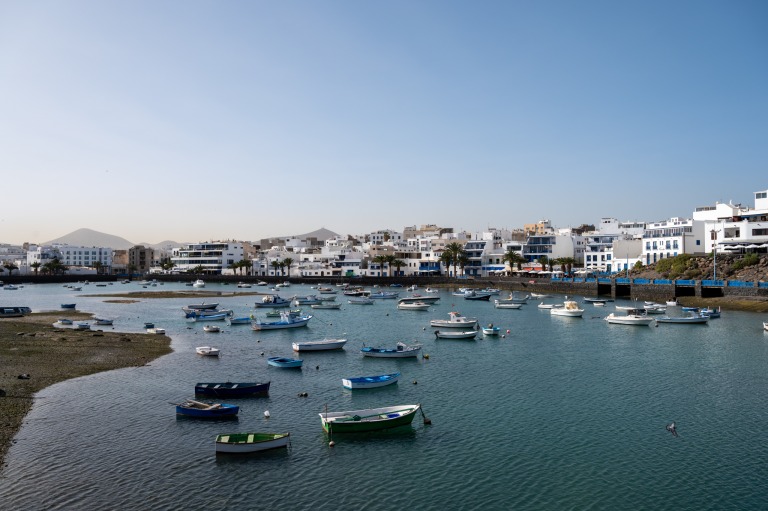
{"points": [[91, 238], [321, 234]]}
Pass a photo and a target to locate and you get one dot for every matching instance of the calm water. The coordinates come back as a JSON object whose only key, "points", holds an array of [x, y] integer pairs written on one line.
{"points": [[561, 413]]}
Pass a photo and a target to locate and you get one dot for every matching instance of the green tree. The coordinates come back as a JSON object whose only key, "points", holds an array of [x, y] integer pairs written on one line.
{"points": [[288, 262], [397, 263], [97, 265], [456, 250], [381, 260], [35, 266], [568, 262], [275, 265], [10, 267], [512, 257], [544, 262]]}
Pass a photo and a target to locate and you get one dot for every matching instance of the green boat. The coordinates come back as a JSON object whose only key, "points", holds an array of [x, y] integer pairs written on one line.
{"points": [[371, 419]]}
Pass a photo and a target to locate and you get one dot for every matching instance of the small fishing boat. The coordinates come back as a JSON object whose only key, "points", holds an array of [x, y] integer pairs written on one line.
{"points": [[455, 320], [245, 320], [402, 350], [232, 389], [103, 321], [286, 321], [65, 321], [82, 326], [307, 300], [243, 285], [211, 329], [277, 313], [67, 305], [272, 301], [543, 305], [414, 306], [361, 301], [208, 351], [456, 334], [418, 298], [324, 345], [220, 316], [710, 312], [569, 309], [201, 306], [326, 306], [243, 443], [201, 410], [672, 302], [198, 283], [476, 295], [370, 382], [690, 318], [506, 305], [491, 330], [285, 362], [765, 326], [637, 317], [156, 330], [371, 419]]}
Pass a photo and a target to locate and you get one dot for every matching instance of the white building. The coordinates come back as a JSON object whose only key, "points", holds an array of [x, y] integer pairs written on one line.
{"points": [[74, 257], [733, 227], [212, 256], [668, 239]]}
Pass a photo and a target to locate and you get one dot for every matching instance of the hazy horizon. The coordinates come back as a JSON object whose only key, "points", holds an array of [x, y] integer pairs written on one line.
{"points": [[246, 120]]}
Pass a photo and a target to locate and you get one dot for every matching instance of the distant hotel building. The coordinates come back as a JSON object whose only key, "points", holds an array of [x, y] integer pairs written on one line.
{"points": [[213, 257]]}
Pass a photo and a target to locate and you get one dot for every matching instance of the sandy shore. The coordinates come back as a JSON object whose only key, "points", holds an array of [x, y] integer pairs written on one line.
{"points": [[32, 346]]}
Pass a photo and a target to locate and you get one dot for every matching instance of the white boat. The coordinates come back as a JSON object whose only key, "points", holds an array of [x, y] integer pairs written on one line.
{"points": [[455, 320], [212, 329], [655, 308], [570, 309], [198, 283], [286, 321], [633, 317], [540, 295], [456, 334], [370, 382], [765, 326], [326, 306], [543, 305], [103, 321], [207, 351], [402, 350], [243, 320], [384, 295], [503, 304], [239, 443], [513, 298], [306, 300], [325, 344], [200, 306], [272, 302], [418, 298], [156, 330], [10, 287], [243, 285], [690, 318], [82, 326], [414, 306], [491, 330], [672, 303], [326, 291], [431, 291]]}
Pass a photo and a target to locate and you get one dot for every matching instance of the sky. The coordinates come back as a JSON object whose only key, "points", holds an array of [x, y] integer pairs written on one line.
{"points": [[200, 120]]}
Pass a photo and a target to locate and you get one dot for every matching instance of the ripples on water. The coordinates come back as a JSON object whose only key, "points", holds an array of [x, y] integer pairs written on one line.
{"points": [[562, 413]]}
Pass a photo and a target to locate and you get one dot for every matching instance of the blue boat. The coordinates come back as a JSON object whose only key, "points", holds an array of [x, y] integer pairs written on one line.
{"points": [[284, 362], [232, 389], [370, 382], [199, 410], [67, 305]]}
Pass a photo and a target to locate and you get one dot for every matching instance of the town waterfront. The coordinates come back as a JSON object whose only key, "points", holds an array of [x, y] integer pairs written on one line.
{"points": [[559, 413]]}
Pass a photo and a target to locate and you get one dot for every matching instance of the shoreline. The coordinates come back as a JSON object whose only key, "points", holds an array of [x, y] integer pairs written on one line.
{"points": [[32, 346]]}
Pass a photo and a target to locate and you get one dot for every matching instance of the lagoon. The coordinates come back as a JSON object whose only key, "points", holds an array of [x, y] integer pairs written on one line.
{"points": [[558, 413]]}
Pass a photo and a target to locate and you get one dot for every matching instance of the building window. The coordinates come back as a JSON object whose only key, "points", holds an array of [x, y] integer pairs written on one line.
{"points": [[698, 243]]}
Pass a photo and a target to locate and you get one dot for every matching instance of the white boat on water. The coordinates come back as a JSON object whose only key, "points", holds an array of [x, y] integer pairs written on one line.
{"points": [[331, 305], [540, 295], [208, 351], [543, 305], [690, 318], [370, 382], [514, 298], [211, 329], [361, 300], [765, 326], [418, 298], [286, 321], [198, 283], [239, 443], [503, 304], [414, 306], [633, 317], [272, 302], [156, 330], [455, 334], [570, 309], [455, 320], [325, 344], [243, 285]]}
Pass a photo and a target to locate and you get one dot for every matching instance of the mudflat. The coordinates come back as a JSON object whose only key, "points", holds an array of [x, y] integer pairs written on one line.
{"points": [[34, 354]]}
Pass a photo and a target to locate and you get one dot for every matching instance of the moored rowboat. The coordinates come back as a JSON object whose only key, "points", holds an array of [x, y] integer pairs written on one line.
{"points": [[370, 382], [372, 419], [238, 443]]}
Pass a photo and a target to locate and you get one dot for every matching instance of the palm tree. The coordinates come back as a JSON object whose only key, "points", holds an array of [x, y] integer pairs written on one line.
{"points": [[199, 269], [463, 261], [275, 265], [568, 262], [288, 262], [543, 261], [247, 265], [35, 266], [397, 263], [512, 257], [97, 265], [131, 270], [456, 250], [10, 267], [381, 261]]}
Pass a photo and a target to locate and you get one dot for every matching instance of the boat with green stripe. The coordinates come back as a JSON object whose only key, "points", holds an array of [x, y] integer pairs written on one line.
{"points": [[371, 419]]}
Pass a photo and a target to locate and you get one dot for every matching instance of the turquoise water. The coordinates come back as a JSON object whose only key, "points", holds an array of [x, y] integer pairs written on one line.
{"points": [[560, 413]]}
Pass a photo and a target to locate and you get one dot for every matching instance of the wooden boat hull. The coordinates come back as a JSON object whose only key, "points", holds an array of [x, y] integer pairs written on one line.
{"points": [[628, 320], [456, 335], [374, 419], [427, 299], [287, 363], [243, 443], [696, 320], [280, 325], [230, 389], [330, 344], [370, 382], [507, 305], [203, 411], [411, 351], [68, 305]]}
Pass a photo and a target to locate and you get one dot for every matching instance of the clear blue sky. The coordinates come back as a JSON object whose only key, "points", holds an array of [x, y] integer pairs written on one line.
{"points": [[196, 120]]}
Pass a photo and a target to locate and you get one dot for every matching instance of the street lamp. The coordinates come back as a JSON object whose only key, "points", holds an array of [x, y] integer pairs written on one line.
{"points": [[713, 235]]}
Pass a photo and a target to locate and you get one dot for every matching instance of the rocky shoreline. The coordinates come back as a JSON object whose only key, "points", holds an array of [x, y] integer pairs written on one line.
{"points": [[36, 355]]}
